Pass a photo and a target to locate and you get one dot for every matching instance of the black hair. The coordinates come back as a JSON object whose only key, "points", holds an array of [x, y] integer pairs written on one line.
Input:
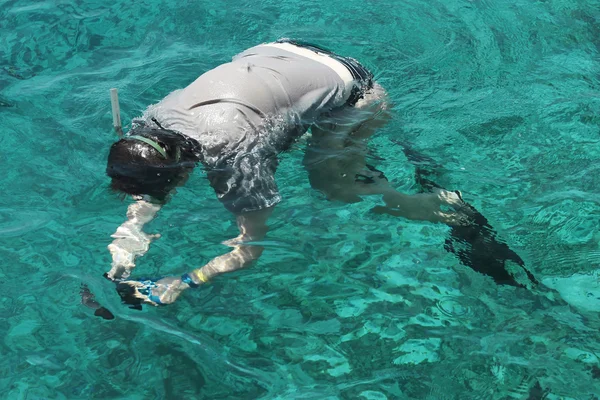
{"points": [[137, 167]]}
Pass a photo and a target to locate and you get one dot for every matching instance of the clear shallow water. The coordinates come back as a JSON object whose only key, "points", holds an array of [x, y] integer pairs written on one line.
{"points": [[344, 304]]}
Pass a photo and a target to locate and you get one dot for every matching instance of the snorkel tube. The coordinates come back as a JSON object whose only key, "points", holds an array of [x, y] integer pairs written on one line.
{"points": [[116, 111]]}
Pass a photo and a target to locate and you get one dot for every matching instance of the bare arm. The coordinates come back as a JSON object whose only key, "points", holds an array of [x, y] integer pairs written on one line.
{"points": [[130, 241], [253, 227]]}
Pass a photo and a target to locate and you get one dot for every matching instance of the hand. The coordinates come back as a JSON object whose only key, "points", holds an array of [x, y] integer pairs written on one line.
{"points": [[162, 292]]}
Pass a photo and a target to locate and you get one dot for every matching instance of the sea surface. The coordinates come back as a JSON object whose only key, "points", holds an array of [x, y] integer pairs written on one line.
{"points": [[504, 95]]}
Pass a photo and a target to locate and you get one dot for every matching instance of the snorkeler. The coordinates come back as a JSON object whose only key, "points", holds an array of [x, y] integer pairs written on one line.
{"points": [[235, 120]]}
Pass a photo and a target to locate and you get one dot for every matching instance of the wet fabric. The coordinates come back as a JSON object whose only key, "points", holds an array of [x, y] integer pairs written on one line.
{"points": [[244, 113]]}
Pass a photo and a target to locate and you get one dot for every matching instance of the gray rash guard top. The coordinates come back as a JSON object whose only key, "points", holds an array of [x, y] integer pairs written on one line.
{"points": [[245, 112]]}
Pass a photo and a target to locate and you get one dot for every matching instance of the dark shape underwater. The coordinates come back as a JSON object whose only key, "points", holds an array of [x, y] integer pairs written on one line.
{"points": [[476, 244], [87, 299]]}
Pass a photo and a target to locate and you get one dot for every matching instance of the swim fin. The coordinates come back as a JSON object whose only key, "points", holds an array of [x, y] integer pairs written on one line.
{"points": [[476, 244]]}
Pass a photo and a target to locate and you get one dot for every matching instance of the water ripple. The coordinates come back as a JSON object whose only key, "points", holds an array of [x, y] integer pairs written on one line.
{"points": [[20, 222], [502, 94]]}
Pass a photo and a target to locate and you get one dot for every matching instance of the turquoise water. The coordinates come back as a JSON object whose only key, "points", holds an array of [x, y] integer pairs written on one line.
{"points": [[344, 304]]}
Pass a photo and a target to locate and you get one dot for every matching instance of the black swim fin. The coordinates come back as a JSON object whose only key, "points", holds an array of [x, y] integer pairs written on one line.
{"points": [[476, 245]]}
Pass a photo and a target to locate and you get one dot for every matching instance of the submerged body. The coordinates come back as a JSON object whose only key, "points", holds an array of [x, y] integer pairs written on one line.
{"points": [[263, 97], [235, 120], [242, 114]]}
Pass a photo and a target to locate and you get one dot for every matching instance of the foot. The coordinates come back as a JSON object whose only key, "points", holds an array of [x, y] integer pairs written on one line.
{"points": [[453, 210], [438, 206], [163, 291]]}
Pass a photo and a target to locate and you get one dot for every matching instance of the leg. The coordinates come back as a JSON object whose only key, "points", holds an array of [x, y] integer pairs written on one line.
{"points": [[337, 165], [336, 162]]}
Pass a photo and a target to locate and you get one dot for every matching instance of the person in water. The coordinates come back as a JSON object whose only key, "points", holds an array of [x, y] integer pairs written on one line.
{"points": [[235, 120]]}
